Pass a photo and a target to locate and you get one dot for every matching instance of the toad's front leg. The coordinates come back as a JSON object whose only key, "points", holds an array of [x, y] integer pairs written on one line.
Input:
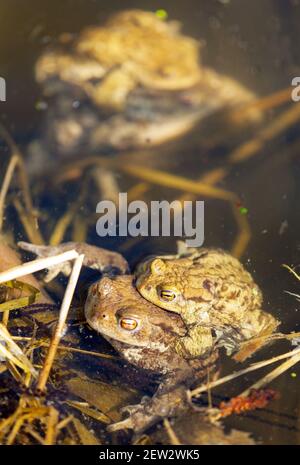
{"points": [[94, 257], [198, 342], [171, 398], [150, 411]]}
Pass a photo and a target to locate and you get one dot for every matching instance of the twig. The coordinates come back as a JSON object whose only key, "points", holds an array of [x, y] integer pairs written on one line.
{"points": [[65, 221], [293, 295], [263, 103], [285, 120], [70, 349], [84, 408], [29, 430], [5, 186], [51, 427], [29, 223], [273, 374], [62, 225], [17, 162], [44, 374], [292, 271], [161, 178], [36, 265], [244, 234], [63, 423], [11, 351], [177, 182], [79, 229], [171, 433], [253, 367]]}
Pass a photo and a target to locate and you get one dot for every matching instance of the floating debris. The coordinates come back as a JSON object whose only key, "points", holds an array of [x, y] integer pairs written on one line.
{"points": [[162, 14], [41, 105], [243, 210], [283, 227]]}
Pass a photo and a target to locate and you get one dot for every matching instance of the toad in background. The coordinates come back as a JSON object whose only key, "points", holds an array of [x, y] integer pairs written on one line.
{"points": [[136, 81]]}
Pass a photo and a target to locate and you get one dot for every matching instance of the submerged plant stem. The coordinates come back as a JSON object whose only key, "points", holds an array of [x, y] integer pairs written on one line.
{"points": [[273, 374], [237, 374], [17, 161], [44, 374]]}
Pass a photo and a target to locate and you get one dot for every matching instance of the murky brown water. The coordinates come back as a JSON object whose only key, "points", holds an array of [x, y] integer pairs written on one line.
{"points": [[257, 45]]}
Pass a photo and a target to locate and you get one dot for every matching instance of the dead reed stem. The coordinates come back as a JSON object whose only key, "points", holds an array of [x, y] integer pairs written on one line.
{"points": [[273, 374], [237, 374], [44, 374]]}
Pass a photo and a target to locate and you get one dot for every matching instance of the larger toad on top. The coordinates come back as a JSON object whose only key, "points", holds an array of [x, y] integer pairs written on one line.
{"points": [[209, 289]]}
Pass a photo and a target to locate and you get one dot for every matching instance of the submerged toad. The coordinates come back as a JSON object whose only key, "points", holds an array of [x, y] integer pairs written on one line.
{"points": [[216, 297], [132, 49], [210, 289], [135, 81]]}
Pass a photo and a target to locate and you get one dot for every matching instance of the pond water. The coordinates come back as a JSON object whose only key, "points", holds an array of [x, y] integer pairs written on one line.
{"points": [[258, 46]]}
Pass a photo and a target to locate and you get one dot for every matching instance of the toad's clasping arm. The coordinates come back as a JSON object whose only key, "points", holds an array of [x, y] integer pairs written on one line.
{"points": [[94, 257]]}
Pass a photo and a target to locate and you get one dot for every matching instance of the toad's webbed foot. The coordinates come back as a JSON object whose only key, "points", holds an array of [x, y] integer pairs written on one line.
{"points": [[151, 411], [94, 257], [132, 409], [249, 336], [43, 251]]}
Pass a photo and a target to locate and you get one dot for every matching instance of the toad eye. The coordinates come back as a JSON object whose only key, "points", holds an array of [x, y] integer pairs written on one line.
{"points": [[167, 294], [128, 323]]}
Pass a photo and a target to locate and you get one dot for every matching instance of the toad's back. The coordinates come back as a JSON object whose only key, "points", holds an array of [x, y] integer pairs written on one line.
{"points": [[208, 288]]}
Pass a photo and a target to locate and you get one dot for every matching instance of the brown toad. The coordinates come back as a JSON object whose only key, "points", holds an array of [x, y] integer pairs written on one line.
{"points": [[134, 81], [209, 289]]}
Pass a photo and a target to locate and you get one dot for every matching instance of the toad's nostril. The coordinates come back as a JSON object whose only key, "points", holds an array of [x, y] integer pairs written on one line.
{"points": [[94, 291], [103, 316]]}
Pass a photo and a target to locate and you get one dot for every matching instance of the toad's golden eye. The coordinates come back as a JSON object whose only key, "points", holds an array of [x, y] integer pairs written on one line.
{"points": [[128, 323], [167, 294]]}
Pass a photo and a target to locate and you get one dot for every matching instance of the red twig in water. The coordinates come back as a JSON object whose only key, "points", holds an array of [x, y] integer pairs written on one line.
{"points": [[258, 398]]}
